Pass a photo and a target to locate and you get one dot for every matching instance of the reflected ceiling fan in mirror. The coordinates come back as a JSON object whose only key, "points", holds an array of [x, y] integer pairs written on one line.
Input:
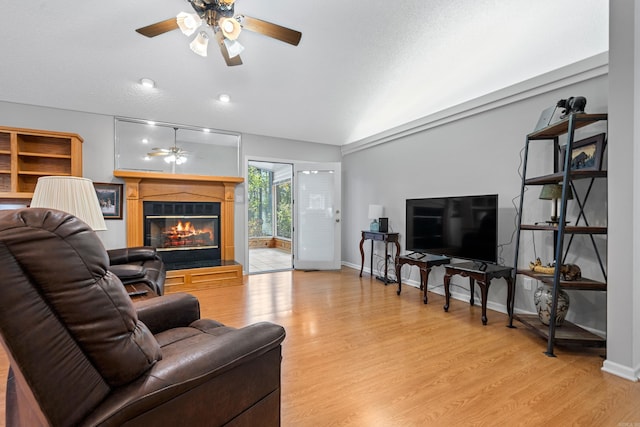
{"points": [[174, 155], [218, 17]]}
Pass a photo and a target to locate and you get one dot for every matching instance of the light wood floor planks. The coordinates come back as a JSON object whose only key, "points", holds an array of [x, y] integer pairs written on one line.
{"points": [[356, 354]]}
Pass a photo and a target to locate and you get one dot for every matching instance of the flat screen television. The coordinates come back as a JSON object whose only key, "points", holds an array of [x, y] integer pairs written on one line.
{"points": [[460, 227]]}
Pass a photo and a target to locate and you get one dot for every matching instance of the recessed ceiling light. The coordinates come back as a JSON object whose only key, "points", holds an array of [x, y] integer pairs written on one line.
{"points": [[206, 130], [223, 97], [145, 141], [148, 83], [151, 123]]}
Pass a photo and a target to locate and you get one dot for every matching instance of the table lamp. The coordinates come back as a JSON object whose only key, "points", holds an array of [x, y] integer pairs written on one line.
{"points": [[554, 192], [71, 194], [375, 212]]}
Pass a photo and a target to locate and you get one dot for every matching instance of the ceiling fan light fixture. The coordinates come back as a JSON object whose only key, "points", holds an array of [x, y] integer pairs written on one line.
{"points": [[230, 28], [233, 47], [200, 43], [188, 22]]}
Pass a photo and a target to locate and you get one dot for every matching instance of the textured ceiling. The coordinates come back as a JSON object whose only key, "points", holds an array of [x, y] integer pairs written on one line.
{"points": [[362, 67]]}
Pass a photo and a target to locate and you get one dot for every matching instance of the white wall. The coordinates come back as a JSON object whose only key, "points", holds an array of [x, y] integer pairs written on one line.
{"points": [[477, 154], [98, 155], [623, 319]]}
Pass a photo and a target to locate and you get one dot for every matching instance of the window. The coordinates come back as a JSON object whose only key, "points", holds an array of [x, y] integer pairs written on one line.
{"points": [[260, 202], [269, 204], [283, 209]]}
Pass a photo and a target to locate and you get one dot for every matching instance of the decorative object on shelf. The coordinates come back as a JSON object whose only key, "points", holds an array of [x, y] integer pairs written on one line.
{"points": [[375, 212], [574, 104], [548, 116], [110, 199], [568, 272], [543, 299], [553, 192], [586, 154], [71, 194]]}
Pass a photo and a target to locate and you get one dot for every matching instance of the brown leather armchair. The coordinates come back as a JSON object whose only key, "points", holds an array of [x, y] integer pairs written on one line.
{"points": [[81, 353], [139, 264]]}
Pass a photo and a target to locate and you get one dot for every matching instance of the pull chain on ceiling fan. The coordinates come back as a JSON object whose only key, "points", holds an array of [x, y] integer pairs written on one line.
{"points": [[219, 17]]}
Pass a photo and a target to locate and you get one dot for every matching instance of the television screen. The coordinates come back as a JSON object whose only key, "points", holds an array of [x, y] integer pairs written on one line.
{"points": [[459, 227]]}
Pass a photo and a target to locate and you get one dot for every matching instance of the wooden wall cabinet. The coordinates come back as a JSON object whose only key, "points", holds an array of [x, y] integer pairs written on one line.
{"points": [[27, 154]]}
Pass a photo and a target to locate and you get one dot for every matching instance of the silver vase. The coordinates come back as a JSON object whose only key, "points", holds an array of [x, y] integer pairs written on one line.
{"points": [[543, 299]]}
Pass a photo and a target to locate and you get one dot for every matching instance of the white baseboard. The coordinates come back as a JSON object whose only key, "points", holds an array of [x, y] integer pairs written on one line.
{"points": [[621, 370]]}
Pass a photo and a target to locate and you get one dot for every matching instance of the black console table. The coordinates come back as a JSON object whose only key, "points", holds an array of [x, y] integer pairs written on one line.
{"points": [[482, 273], [381, 237], [425, 262]]}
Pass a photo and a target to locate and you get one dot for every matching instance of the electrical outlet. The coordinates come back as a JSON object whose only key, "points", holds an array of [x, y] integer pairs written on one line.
{"points": [[527, 283]]}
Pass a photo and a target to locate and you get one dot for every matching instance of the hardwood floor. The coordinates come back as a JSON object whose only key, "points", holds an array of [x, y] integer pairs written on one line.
{"points": [[356, 354]]}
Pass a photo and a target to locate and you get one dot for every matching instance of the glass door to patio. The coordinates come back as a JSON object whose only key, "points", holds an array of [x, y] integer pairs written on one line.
{"points": [[269, 216]]}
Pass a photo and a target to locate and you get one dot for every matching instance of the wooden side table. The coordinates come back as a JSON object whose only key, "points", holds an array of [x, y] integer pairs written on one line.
{"points": [[140, 291], [423, 261], [381, 237], [483, 274]]}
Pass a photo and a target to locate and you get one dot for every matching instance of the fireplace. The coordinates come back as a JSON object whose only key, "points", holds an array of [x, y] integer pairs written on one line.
{"points": [[186, 234], [190, 196]]}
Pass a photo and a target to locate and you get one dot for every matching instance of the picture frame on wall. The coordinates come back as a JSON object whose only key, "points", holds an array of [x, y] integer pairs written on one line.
{"points": [[586, 154], [110, 198]]}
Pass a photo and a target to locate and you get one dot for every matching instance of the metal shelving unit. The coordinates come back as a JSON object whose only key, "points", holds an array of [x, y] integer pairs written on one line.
{"points": [[569, 333]]}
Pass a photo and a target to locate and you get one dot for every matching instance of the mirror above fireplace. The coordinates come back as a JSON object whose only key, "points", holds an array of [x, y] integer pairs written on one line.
{"points": [[206, 151]]}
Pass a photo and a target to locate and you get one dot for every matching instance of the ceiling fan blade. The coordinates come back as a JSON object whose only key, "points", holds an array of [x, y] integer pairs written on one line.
{"points": [[159, 28], [158, 153], [225, 53], [276, 31]]}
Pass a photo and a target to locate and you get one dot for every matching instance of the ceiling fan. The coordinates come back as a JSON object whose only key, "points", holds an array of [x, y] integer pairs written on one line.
{"points": [[220, 18], [173, 154]]}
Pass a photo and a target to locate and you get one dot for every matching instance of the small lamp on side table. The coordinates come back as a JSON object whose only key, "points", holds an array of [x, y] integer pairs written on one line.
{"points": [[553, 192], [375, 212]]}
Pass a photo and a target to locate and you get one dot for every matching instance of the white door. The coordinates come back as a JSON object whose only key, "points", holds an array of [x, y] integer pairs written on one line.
{"points": [[317, 216]]}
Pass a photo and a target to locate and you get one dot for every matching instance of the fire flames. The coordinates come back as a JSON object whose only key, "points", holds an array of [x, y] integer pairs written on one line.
{"points": [[186, 234]]}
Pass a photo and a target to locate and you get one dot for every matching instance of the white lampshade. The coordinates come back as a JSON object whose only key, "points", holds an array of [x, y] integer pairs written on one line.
{"points": [[70, 194], [375, 211], [234, 48], [230, 28], [200, 43], [188, 22]]}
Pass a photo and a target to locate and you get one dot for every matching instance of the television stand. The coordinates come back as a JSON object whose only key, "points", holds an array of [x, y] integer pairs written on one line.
{"points": [[425, 262], [483, 277]]}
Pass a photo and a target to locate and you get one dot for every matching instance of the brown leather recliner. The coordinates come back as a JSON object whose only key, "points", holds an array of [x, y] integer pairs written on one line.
{"points": [[138, 264], [81, 353]]}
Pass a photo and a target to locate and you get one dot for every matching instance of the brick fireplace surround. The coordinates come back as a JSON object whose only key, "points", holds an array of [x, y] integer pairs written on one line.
{"points": [[153, 186]]}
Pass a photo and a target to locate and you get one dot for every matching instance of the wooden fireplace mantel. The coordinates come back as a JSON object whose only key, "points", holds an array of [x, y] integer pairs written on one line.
{"points": [[158, 187]]}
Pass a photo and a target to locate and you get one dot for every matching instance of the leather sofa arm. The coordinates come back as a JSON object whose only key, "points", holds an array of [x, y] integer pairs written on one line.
{"points": [[128, 273], [126, 255], [168, 311]]}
